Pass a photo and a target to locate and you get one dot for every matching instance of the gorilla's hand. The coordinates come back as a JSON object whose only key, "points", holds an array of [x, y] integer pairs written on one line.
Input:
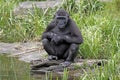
{"points": [[49, 35], [57, 39], [67, 37]]}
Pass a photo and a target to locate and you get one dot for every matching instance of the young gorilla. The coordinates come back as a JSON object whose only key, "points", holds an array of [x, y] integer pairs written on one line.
{"points": [[61, 38]]}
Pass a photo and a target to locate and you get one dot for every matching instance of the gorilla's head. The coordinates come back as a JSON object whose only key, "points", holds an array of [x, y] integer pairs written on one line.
{"points": [[61, 18]]}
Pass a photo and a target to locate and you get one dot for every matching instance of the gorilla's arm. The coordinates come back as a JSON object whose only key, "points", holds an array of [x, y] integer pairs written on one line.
{"points": [[75, 36], [73, 39]]}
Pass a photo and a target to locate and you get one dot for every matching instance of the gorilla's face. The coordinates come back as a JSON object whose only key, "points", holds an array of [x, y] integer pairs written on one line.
{"points": [[61, 18], [61, 21]]}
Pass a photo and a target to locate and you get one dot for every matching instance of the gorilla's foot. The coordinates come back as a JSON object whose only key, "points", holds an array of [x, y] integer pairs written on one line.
{"points": [[66, 63], [51, 57]]}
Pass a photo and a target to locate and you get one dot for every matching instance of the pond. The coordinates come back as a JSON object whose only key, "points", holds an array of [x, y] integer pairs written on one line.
{"points": [[12, 69]]}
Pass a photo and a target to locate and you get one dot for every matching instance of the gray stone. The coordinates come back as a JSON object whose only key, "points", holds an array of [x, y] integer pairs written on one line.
{"points": [[28, 6], [24, 51], [76, 69]]}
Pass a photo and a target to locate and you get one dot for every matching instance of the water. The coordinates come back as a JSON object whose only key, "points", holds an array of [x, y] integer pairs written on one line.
{"points": [[12, 69]]}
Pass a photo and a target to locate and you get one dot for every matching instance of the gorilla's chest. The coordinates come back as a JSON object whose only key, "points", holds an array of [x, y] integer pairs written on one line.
{"points": [[61, 32]]}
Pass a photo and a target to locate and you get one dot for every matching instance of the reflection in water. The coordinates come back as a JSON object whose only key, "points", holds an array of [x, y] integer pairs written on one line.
{"points": [[12, 69]]}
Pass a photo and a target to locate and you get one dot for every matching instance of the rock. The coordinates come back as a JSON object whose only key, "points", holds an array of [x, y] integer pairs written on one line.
{"points": [[36, 55], [76, 69], [24, 51], [6, 48], [105, 0], [28, 6]]}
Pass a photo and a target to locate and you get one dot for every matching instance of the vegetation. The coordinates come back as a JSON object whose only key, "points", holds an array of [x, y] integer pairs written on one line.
{"points": [[98, 21]]}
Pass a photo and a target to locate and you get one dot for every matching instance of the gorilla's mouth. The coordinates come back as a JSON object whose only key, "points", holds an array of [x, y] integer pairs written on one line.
{"points": [[61, 26]]}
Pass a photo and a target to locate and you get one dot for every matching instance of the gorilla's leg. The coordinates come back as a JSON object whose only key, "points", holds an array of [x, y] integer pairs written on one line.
{"points": [[61, 49], [49, 48], [70, 54]]}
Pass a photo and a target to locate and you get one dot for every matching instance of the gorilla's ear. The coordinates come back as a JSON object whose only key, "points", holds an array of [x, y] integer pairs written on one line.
{"points": [[67, 15]]}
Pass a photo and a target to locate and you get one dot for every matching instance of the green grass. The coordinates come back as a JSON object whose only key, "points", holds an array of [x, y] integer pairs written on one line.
{"points": [[99, 23]]}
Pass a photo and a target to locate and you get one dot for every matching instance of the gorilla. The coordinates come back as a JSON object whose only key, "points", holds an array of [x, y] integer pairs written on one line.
{"points": [[61, 38]]}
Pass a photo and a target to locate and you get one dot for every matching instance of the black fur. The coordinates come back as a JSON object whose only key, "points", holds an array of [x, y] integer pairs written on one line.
{"points": [[62, 42]]}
